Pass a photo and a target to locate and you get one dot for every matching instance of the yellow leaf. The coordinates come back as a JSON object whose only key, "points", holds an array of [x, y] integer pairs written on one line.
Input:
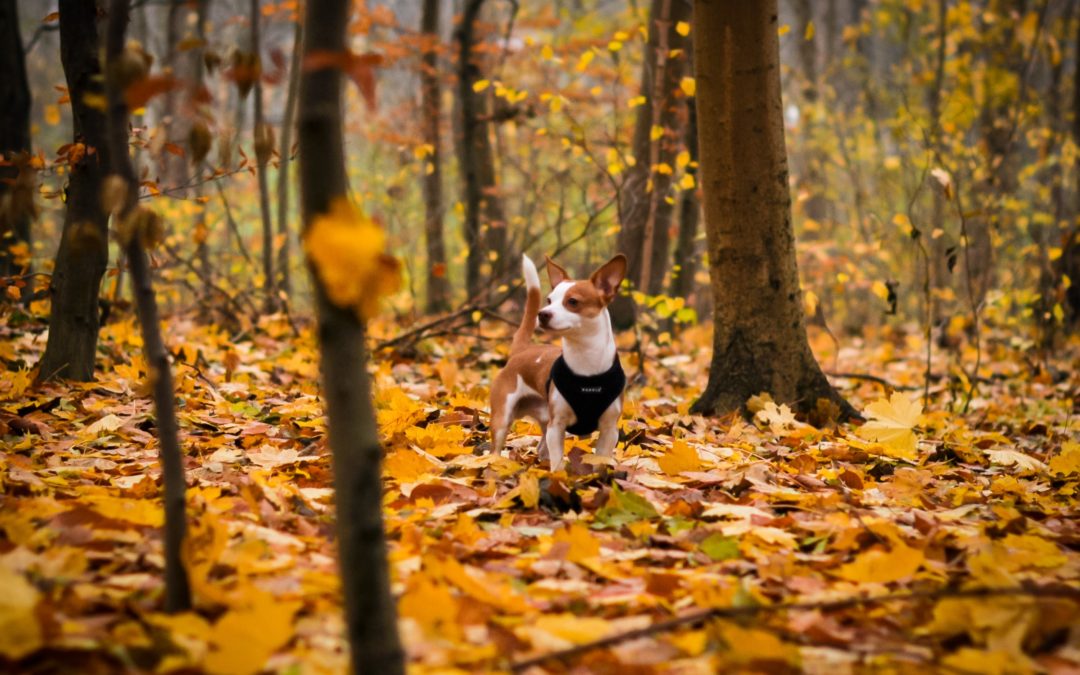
{"points": [[431, 604], [245, 638], [575, 629], [1068, 461], [584, 61], [809, 33], [636, 101], [687, 182], [688, 86], [481, 85], [139, 511], [614, 46], [582, 544], [482, 586], [656, 132], [682, 28], [891, 424], [20, 631], [682, 159], [881, 290], [547, 52], [52, 115], [406, 466], [347, 250], [751, 644], [681, 457], [530, 490], [882, 567], [783, 30]]}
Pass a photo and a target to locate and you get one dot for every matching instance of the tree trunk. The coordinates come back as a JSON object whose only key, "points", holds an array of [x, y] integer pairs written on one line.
{"points": [[644, 210], [285, 161], [759, 341], [84, 243], [352, 434], [687, 256], [263, 149], [202, 233], [177, 589], [812, 179], [15, 212], [438, 285], [483, 206]]}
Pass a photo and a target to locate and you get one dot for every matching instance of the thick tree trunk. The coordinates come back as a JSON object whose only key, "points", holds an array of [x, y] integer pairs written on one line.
{"points": [[483, 205], [438, 285], [263, 150], [759, 342], [177, 589], [285, 162], [14, 135], [84, 244], [645, 213], [352, 433]]}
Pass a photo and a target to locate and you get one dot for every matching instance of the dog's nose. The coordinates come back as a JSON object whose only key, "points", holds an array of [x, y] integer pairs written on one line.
{"points": [[545, 317]]}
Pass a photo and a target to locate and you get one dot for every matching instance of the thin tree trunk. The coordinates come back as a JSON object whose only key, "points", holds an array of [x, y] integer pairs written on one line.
{"points": [[759, 339], [172, 122], [438, 285], [483, 205], [285, 162], [263, 149], [15, 212], [687, 256], [645, 212], [84, 244], [177, 589], [812, 179], [351, 428], [202, 233]]}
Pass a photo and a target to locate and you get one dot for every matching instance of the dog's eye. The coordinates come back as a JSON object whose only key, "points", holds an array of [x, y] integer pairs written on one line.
{"points": [[548, 301], [572, 302]]}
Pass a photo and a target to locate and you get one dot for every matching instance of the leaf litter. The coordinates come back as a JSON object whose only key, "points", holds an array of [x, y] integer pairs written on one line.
{"points": [[496, 561]]}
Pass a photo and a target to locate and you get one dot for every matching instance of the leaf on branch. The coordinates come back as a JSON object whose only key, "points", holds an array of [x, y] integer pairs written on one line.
{"points": [[360, 68], [347, 250]]}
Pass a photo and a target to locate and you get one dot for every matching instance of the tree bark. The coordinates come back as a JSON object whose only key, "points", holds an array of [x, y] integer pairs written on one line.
{"points": [[177, 589], [644, 210], [438, 285], [15, 216], [263, 146], [759, 340], [352, 433], [483, 206], [84, 243], [285, 161]]}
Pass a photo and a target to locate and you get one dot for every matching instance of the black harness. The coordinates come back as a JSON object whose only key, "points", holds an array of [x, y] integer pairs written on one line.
{"points": [[588, 395]]}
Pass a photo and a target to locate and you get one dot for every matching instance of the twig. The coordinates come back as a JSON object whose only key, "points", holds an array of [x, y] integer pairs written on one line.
{"points": [[703, 615], [873, 378]]}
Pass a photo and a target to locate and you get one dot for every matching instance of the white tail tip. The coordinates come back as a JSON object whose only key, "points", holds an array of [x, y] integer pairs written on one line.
{"points": [[532, 279]]}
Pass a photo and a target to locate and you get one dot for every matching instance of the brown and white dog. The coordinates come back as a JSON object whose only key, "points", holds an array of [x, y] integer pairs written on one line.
{"points": [[577, 387]]}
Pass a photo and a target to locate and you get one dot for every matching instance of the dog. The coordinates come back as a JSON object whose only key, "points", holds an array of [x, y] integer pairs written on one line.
{"points": [[576, 388]]}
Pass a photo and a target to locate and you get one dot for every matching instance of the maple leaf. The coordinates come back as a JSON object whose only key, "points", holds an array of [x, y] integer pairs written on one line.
{"points": [[779, 418], [891, 424], [347, 250], [243, 639], [1067, 462], [1014, 458], [882, 567], [681, 457]]}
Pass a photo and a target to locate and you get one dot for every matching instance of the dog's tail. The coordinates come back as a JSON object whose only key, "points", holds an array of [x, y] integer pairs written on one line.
{"points": [[523, 336]]}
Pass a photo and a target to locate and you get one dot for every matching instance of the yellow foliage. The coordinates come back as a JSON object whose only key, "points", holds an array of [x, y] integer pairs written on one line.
{"points": [[347, 250], [891, 424]]}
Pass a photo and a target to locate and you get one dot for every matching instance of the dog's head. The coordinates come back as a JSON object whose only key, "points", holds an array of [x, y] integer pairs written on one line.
{"points": [[574, 305]]}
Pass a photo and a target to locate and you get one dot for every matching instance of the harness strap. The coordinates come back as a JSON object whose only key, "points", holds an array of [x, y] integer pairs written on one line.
{"points": [[588, 395]]}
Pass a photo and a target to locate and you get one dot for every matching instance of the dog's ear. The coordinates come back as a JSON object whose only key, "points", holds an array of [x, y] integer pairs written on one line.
{"points": [[556, 273], [609, 276]]}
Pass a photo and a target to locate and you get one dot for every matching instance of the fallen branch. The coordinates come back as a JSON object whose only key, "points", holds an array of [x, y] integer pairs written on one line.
{"points": [[873, 378], [704, 615]]}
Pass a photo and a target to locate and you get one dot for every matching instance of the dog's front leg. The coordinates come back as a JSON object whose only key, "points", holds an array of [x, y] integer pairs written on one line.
{"points": [[553, 438], [609, 429]]}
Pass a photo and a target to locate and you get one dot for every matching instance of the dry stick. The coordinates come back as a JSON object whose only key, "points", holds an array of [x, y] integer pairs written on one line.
{"points": [[177, 589], [476, 303], [284, 150], [703, 615], [262, 154], [232, 224]]}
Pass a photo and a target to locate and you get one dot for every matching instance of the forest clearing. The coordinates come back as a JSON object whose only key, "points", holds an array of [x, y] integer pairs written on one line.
{"points": [[271, 314]]}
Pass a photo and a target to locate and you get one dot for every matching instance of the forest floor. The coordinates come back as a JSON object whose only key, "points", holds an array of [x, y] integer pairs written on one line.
{"points": [[496, 561]]}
